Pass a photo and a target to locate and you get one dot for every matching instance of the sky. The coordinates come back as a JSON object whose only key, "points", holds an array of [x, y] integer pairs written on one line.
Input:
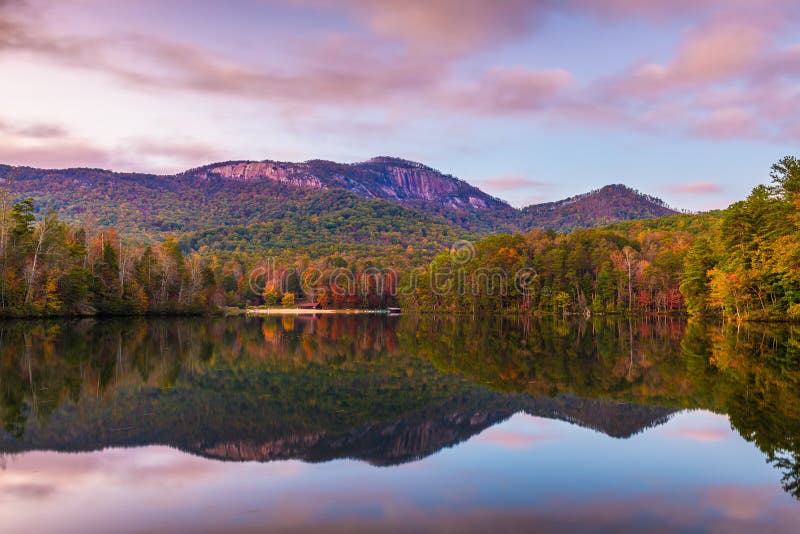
{"points": [[530, 100]]}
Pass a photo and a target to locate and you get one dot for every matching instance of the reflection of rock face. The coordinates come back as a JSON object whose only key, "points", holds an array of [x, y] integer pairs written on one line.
{"points": [[404, 438], [279, 449], [393, 443], [401, 440]]}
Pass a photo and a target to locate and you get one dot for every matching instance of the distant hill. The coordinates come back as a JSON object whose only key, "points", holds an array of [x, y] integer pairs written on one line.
{"points": [[268, 204], [610, 204]]}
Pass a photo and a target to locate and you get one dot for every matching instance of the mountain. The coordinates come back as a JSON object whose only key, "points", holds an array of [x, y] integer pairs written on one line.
{"points": [[228, 211], [610, 204], [216, 201]]}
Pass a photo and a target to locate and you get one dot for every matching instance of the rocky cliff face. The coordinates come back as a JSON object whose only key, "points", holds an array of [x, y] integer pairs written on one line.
{"points": [[393, 179], [294, 174]]}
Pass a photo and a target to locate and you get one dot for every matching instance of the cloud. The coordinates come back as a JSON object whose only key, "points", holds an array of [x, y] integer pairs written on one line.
{"points": [[728, 78], [727, 123], [509, 439], [328, 69], [32, 130], [458, 26], [450, 26], [706, 435], [508, 90], [55, 155], [512, 181], [380, 62], [181, 154], [658, 10], [21, 32], [694, 188], [742, 504], [711, 53], [47, 146], [335, 70], [53, 146]]}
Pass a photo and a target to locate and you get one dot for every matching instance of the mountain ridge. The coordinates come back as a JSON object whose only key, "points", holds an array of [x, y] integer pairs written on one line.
{"points": [[211, 195]]}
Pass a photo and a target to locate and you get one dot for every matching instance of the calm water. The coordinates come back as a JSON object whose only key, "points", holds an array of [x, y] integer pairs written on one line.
{"points": [[399, 424]]}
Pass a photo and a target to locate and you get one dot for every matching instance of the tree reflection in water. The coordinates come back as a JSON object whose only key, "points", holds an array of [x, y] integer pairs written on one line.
{"points": [[385, 390]]}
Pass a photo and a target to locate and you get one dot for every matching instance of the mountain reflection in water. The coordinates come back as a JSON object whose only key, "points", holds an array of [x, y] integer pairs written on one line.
{"points": [[384, 390]]}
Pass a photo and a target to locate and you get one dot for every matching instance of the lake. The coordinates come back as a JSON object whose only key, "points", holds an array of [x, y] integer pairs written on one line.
{"points": [[365, 423]]}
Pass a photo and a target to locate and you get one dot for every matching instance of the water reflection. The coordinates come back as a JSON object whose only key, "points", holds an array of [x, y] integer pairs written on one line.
{"points": [[394, 391], [524, 474]]}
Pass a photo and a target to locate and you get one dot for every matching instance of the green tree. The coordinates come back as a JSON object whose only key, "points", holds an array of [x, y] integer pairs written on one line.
{"points": [[22, 219], [786, 177], [695, 279]]}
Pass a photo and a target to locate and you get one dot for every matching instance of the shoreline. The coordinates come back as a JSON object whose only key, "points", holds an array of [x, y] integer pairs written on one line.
{"points": [[303, 311]]}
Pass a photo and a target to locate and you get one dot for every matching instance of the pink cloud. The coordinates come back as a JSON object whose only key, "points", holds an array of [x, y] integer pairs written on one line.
{"points": [[509, 439], [53, 146], [55, 155], [329, 68], [674, 9], [449, 26], [513, 181], [738, 503], [32, 131], [727, 123], [462, 25], [712, 53], [184, 153], [706, 435], [505, 90], [717, 52], [726, 80], [701, 188]]}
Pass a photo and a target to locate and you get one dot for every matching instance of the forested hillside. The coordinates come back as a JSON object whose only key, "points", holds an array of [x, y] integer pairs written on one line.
{"points": [[742, 262], [607, 205], [325, 223]]}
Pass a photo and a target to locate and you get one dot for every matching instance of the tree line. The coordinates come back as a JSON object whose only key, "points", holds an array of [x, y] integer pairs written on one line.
{"points": [[48, 267], [742, 263]]}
